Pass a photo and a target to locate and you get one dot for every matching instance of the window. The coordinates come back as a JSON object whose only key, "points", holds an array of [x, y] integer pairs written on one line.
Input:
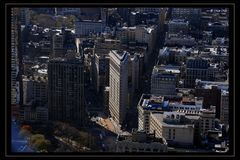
{"points": [[169, 136]]}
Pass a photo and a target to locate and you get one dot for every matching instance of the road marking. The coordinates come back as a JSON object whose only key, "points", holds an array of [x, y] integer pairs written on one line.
{"points": [[24, 148]]}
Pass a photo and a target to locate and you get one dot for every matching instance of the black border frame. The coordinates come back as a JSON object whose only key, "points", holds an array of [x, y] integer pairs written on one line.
{"points": [[102, 154]]}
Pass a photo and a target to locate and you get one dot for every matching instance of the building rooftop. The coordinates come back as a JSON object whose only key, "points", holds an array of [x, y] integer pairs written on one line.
{"points": [[70, 59], [89, 20], [149, 29], [192, 117], [35, 78], [209, 84], [170, 121], [42, 71], [121, 55], [190, 114], [141, 137], [166, 69], [130, 28], [178, 21], [168, 50], [151, 102], [224, 92]]}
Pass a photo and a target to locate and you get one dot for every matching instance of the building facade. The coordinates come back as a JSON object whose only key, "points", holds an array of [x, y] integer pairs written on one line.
{"points": [[66, 90], [162, 82], [118, 83], [185, 12], [207, 120], [85, 27], [172, 127], [140, 142], [102, 71], [147, 105], [211, 96], [33, 114], [35, 90], [196, 68], [179, 39], [224, 111], [58, 45], [25, 16], [178, 25], [14, 55]]}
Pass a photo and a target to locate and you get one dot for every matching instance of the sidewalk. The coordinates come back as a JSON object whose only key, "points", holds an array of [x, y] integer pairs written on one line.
{"points": [[109, 124]]}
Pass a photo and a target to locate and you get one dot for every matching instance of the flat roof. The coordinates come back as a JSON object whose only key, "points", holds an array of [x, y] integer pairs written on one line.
{"points": [[193, 117], [159, 118]]}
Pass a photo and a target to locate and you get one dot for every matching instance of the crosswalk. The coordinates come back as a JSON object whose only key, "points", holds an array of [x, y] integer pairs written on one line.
{"points": [[22, 148]]}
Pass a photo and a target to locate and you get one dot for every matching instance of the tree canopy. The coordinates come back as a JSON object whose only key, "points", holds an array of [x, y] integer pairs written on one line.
{"points": [[39, 142]]}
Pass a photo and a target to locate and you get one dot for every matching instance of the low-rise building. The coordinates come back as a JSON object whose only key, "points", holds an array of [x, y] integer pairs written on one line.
{"points": [[178, 25], [173, 55], [163, 82], [85, 27], [140, 142], [195, 104], [179, 39], [207, 120], [173, 127], [211, 92], [141, 34], [147, 104], [196, 68]]}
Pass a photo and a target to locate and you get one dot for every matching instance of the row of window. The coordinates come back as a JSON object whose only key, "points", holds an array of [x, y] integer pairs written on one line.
{"points": [[127, 149]]}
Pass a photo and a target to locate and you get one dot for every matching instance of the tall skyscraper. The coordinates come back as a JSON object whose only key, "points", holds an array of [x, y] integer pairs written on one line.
{"points": [[35, 88], [104, 15], [25, 16], [224, 112], [118, 83], [14, 55], [133, 79], [58, 45], [66, 90], [162, 18], [124, 13]]}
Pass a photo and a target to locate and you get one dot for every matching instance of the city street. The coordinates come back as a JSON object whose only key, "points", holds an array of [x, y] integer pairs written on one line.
{"points": [[121, 79], [19, 144]]}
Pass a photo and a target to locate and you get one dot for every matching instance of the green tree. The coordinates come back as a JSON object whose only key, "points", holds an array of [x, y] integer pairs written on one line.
{"points": [[70, 21], [39, 142], [42, 144], [44, 20], [24, 133], [36, 137]]}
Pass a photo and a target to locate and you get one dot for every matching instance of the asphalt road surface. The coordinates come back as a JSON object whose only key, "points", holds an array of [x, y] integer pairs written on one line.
{"points": [[18, 144]]}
